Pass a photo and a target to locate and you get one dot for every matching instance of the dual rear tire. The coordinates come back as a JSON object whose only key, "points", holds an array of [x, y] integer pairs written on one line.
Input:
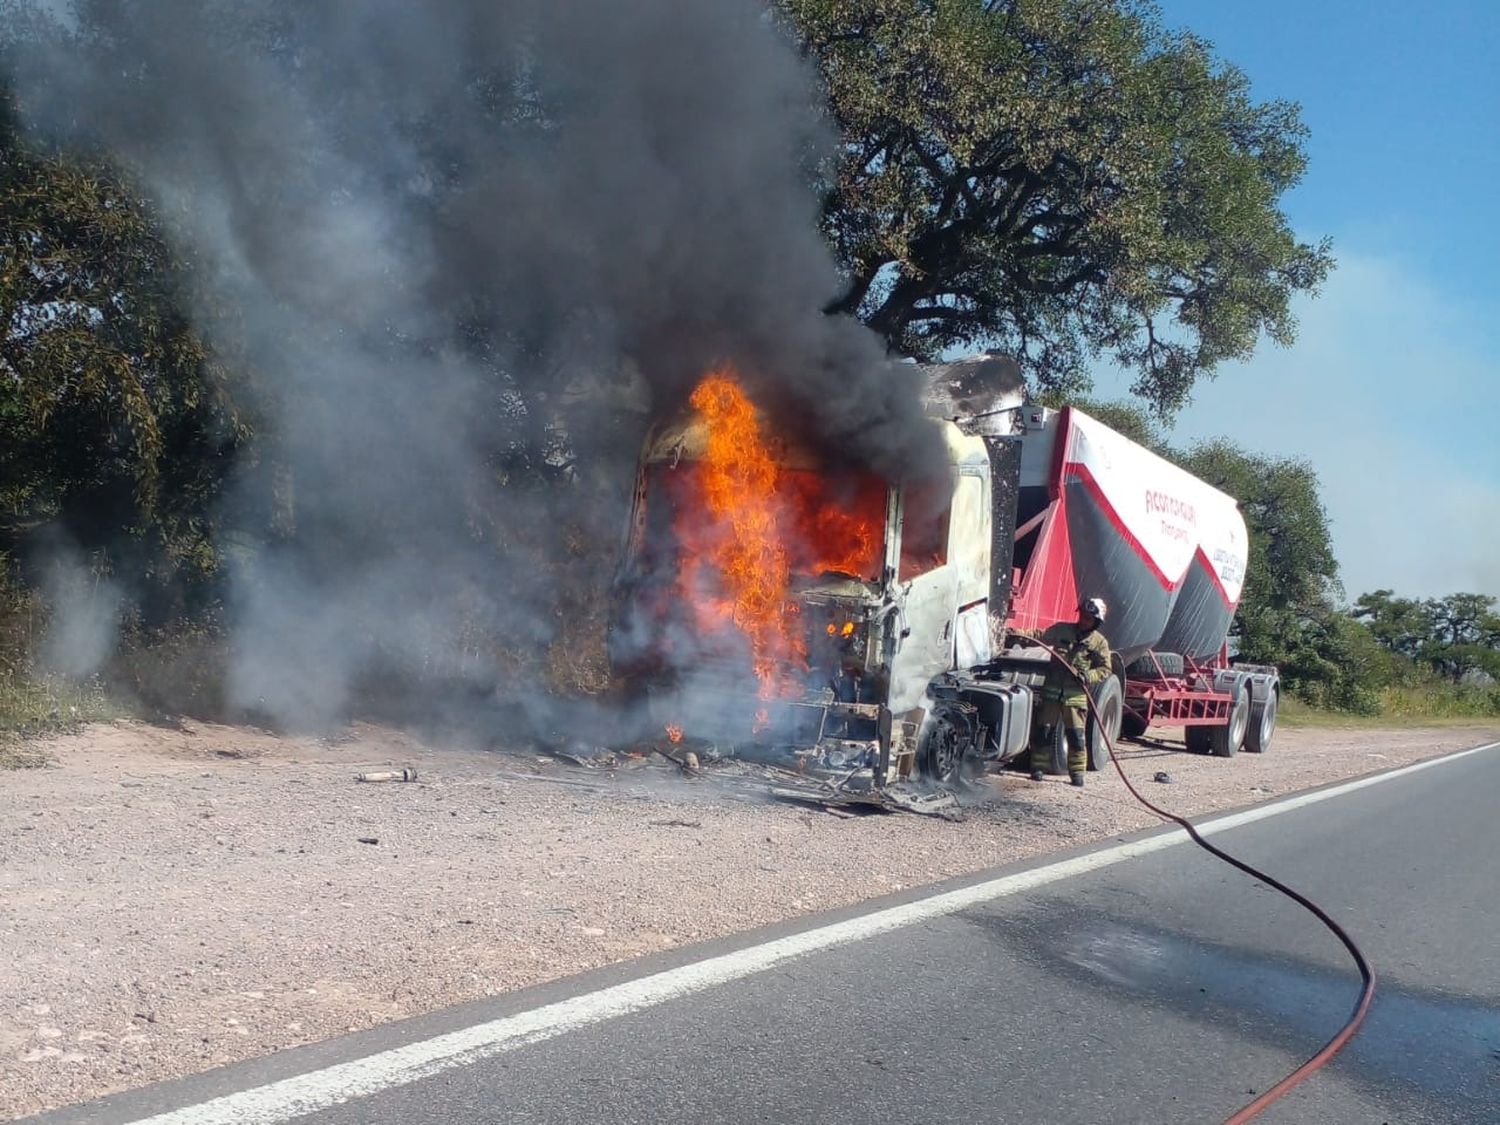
{"points": [[1225, 740], [1262, 726]]}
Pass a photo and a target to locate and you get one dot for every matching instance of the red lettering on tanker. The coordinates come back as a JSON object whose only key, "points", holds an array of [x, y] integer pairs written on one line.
{"points": [[1168, 505]]}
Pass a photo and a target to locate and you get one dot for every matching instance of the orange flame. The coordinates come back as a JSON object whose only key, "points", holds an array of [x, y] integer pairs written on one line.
{"points": [[746, 523], [674, 732], [744, 545]]}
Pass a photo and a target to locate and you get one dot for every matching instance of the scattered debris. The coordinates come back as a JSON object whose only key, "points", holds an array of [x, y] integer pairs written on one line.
{"points": [[582, 754], [674, 823], [939, 802], [407, 774], [1163, 776], [369, 839]]}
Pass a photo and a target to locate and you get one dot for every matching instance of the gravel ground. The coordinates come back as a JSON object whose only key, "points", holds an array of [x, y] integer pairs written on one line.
{"points": [[175, 899]]}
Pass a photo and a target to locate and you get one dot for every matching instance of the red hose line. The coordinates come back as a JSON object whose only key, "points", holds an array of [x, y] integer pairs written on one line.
{"points": [[1367, 973]]}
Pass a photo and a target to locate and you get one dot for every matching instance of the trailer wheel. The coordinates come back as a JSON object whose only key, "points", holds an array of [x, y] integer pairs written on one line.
{"points": [[1225, 741], [1132, 724], [1199, 739], [1109, 702], [1164, 664], [1262, 722]]}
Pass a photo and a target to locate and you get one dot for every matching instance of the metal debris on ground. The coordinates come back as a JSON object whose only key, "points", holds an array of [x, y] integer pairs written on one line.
{"points": [[407, 774], [1163, 776], [924, 802], [584, 755], [848, 791]]}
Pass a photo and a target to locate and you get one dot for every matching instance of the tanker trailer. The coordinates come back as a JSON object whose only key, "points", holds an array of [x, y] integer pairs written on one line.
{"points": [[779, 603], [1100, 515]]}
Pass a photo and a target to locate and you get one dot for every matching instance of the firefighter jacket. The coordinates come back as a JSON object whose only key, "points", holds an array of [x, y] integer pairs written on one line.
{"points": [[1086, 653]]}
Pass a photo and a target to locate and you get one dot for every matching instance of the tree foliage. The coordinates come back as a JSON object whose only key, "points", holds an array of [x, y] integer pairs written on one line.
{"points": [[1060, 179], [1456, 637], [114, 417]]}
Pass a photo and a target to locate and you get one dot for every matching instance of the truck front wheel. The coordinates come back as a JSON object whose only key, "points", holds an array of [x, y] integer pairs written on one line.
{"points": [[947, 743]]}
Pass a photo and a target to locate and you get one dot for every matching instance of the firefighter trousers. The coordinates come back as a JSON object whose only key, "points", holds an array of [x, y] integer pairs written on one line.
{"points": [[1073, 721]]}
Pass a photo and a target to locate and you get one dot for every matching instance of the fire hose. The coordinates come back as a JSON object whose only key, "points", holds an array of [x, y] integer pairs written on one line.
{"points": [[1367, 973]]}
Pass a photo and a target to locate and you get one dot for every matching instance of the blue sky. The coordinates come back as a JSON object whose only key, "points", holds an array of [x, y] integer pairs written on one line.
{"points": [[1393, 388]]}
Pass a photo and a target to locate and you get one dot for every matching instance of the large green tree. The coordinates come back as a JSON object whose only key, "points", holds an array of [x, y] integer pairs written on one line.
{"points": [[115, 424], [1456, 637], [1062, 179]]}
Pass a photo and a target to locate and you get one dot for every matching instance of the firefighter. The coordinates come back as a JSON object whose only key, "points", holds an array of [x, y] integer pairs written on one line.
{"points": [[1082, 648]]}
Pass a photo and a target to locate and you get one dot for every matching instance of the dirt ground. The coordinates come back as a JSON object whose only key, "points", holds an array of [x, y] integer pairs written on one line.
{"points": [[174, 899]]}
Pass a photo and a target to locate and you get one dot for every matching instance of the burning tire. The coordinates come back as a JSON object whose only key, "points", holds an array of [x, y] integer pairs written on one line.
{"points": [[1109, 702], [1262, 727]]}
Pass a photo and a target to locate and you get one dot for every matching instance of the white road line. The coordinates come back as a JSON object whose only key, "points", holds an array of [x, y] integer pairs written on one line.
{"points": [[307, 1093]]}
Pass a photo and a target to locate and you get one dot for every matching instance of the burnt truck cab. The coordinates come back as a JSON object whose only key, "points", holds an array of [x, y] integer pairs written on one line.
{"points": [[891, 659], [908, 602]]}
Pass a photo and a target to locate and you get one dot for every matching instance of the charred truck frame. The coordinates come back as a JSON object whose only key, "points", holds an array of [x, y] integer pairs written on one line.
{"points": [[901, 667]]}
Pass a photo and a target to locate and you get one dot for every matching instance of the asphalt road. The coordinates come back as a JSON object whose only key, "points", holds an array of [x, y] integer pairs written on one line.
{"points": [[1163, 988]]}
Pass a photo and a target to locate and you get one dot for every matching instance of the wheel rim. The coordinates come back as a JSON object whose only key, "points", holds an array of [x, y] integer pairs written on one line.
{"points": [[943, 751]]}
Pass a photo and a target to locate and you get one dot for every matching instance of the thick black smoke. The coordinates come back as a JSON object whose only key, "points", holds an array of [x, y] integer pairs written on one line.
{"points": [[452, 235]]}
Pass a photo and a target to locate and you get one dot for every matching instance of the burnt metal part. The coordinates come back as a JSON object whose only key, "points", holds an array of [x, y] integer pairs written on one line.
{"points": [[949, 740], [1005, 491]]}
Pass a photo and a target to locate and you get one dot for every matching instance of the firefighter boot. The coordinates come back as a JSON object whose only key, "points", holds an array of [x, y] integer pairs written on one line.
{"points": [[1078, 756]]}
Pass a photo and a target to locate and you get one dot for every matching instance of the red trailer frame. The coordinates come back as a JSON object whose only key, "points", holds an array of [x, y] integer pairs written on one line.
{"points": [[1188, 700]]}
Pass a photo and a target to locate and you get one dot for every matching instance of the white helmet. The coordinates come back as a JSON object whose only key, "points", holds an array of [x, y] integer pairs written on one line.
{"points": [[1094, 607]]}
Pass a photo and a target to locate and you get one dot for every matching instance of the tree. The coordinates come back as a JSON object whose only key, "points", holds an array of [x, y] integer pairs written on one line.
{"points": [[1061, 179], [1455, 637], [1400, 625], [114, 418]]}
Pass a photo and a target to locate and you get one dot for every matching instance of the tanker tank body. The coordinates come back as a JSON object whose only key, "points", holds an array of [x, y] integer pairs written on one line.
{"points": [[1100, 515]]}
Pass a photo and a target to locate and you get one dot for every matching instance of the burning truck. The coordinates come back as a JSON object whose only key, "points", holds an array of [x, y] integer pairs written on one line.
{"points": [[771, 604]]}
